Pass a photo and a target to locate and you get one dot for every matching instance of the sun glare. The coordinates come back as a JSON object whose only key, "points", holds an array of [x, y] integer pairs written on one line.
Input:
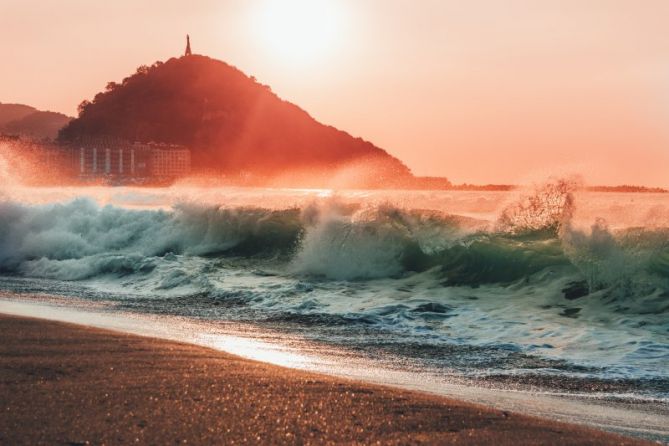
{"points": [[299, 30]]}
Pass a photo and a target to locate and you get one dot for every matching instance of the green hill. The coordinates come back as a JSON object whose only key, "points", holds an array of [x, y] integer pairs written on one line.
{"points": [[233, 123]]}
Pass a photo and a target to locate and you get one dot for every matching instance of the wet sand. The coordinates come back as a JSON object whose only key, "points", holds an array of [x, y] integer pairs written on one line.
{"points": [[74, 385]]}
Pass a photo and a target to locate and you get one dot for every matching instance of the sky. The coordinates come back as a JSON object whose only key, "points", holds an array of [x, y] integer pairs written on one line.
{"points": [[478, 91]]}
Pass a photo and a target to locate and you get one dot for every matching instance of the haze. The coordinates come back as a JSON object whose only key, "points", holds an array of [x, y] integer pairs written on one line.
{"points": [[478, 91]]}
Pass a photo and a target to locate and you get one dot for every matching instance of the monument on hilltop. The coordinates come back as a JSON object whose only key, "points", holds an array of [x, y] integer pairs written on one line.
{"points": [[188, 51]]}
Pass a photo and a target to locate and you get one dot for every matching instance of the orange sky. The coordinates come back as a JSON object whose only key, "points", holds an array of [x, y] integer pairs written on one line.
{"points": [[478, 91]]}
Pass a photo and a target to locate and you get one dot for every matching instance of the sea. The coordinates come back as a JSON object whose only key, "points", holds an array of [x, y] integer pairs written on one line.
{"points": [[547, 288]]}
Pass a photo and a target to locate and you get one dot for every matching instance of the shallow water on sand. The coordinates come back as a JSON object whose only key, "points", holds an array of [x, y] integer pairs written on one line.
{"points": [[602, 410]]}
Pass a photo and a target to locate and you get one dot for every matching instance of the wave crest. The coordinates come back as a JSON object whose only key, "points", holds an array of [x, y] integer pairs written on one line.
{"points": [[548, 207], [337, 241]]}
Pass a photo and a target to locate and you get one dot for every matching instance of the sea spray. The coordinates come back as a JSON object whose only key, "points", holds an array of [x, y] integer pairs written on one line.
{"points": [[549, 206]]}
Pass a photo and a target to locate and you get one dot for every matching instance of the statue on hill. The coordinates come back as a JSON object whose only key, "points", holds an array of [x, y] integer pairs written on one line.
{"points": [[188, 51]]}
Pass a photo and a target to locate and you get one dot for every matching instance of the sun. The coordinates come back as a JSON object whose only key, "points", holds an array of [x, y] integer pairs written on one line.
{"points": [[299, 30]]}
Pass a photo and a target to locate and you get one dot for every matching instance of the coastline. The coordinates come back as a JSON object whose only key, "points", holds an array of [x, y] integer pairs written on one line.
{"points": [[645, 419], [76, 384]]}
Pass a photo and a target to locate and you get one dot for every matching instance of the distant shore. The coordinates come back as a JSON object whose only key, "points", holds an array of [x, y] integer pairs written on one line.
{"points": [[67, 384]]}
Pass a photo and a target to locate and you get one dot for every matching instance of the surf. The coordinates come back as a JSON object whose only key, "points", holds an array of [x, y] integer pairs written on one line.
{"points": [[543, 282]]}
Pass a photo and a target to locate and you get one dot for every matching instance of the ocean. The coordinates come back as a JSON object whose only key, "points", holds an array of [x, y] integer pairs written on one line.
{"points": [[549, 287]]}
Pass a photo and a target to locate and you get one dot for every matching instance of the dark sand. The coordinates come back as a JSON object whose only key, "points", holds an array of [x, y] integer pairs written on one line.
{"points": [[70, 385]]}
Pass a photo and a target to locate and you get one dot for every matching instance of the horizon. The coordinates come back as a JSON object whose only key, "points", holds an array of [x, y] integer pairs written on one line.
{"points": [[508, 96]]}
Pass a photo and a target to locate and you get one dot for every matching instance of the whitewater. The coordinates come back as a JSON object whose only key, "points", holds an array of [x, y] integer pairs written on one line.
{"points": [[548, 287]]}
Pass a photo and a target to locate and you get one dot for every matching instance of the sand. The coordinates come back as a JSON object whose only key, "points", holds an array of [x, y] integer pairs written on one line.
{"points": [[73, 385]]}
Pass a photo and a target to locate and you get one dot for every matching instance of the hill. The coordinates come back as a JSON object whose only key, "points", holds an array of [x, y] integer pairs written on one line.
{"points": [[233, 123], [19, 119], [41, 124], [12, 112]]}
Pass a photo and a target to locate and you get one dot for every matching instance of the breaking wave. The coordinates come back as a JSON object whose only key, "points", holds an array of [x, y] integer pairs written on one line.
{"points": [[537, 278], [80, 240]]}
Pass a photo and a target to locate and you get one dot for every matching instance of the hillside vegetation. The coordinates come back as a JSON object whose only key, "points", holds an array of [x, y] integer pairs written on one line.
{"points": [[233, 123]]}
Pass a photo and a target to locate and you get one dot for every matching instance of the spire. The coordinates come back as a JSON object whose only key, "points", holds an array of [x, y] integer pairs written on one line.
{"points": [[188, 51]]}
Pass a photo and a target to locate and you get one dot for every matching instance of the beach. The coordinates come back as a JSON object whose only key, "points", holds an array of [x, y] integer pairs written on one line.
{"points": [[67, 384]]}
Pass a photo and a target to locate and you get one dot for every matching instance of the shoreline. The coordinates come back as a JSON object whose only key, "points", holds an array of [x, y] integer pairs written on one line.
{"points": [[595, 411], [83, 384]]}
